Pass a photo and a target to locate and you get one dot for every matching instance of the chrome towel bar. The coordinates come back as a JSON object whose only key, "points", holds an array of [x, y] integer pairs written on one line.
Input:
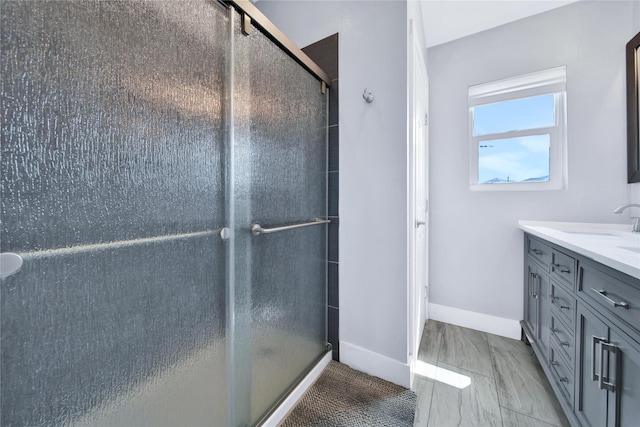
{"points": [[257, 229]]}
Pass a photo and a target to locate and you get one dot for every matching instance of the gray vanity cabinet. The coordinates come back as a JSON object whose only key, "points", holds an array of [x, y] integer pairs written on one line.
{"points": [[591, 400], [583, 321], [624, 405], [537, 305], [609, 358], [608, 391]]}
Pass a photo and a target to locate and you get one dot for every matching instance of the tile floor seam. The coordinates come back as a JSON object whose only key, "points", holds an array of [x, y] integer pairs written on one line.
{"points": [[528, 416], [495, 381], [433, 392]]}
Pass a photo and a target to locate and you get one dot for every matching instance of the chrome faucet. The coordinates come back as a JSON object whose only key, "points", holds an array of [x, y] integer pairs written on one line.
{"points": [[636, 224]]}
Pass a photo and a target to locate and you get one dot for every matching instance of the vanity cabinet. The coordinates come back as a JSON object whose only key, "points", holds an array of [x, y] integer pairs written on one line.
{"points": [[582, 319], [608, 393], [537, 305]]}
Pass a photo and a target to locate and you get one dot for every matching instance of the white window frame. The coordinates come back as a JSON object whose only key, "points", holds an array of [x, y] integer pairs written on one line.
{"points": [[546, 82]]}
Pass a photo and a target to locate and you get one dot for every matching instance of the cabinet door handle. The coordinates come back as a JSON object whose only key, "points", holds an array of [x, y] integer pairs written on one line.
{"points": [[564, 343], [603, 294], [559, 267], [566, 307], [537, 251], [594, 342], [602, 384], [600, 380], [562, 379]]}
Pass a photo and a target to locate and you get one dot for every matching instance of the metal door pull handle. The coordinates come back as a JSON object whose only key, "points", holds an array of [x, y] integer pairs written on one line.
{"points": [[594, 342], [562, 270], [257, 229], [603, 294]]}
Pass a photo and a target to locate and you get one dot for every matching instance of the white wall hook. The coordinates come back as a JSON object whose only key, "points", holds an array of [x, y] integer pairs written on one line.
{"points": [[368, 96]]}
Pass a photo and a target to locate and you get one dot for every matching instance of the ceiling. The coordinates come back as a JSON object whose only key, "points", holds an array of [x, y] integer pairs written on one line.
{"points": [[446, 20]]}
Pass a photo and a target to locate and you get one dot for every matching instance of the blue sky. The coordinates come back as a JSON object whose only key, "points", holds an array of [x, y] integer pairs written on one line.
{"points": [[516, 158]]}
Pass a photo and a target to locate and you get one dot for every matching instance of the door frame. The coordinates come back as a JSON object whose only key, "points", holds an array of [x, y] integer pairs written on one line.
{"points": [[417, 295]]}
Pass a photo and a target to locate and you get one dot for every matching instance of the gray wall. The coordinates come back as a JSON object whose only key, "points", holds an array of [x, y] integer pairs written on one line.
{"points": [[476, 261], [373, 162]]}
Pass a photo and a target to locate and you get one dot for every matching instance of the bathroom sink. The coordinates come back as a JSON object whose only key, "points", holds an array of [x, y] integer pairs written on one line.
{"points": [[590, 233], [633, 249]]}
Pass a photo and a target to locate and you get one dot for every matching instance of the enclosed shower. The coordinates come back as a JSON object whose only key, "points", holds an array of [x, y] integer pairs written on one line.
{"points": [[163, 214]]}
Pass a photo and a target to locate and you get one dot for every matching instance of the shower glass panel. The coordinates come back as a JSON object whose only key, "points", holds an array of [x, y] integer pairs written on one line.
{"points": [[280, 135], [140, 142], [113, 137]]}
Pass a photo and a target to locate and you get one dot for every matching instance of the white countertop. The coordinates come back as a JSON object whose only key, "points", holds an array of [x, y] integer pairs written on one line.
{"points": [[613, 245]]}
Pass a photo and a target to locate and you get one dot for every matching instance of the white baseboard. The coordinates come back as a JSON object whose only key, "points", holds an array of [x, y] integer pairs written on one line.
{"points": [[375, 364], [287, 405], [469, 319]]}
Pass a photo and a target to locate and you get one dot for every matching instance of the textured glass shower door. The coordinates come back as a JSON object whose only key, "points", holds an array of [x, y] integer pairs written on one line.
{"points": [[140, 142], [113, 192], [279, 179]]}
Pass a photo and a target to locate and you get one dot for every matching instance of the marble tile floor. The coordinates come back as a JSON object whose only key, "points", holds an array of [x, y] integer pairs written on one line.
{"points": [[470, 378]]}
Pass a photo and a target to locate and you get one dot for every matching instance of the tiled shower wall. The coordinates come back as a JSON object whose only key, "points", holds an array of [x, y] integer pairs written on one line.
{"points": [[325, 54]]}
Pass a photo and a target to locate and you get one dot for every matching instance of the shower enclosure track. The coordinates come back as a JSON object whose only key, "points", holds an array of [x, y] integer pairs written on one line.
{"points": [[279, 38]]}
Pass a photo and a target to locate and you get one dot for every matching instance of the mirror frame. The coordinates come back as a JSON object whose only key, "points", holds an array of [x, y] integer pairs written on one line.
{"points": [[633, 133]]}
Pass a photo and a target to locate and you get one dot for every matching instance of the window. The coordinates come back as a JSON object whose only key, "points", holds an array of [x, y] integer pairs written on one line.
{"points": [[517, 136]]}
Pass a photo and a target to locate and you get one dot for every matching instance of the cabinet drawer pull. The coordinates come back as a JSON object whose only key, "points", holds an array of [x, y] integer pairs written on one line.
{"points": [[537, 251], [564, 380], [603, 294], [554, 363], [564, 343], [555, 298], [561, 268]]}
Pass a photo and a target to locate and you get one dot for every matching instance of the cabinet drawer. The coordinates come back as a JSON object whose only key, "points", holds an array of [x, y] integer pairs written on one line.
{"points": [[539, 251], [563, 267], [561, 374], [564, 338], [614, 296], [564, 304]]}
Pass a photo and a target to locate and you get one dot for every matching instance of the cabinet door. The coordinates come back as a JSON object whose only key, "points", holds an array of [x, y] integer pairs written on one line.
{"points": [[591, 401], [531, 299], [544, 311], [624, 372]]}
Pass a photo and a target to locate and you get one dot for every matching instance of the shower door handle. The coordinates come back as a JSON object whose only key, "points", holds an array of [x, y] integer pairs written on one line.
{"points": [[257, 229]]}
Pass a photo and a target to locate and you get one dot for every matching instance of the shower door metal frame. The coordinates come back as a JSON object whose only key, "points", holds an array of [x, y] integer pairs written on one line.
{"points": [[279, 38]]}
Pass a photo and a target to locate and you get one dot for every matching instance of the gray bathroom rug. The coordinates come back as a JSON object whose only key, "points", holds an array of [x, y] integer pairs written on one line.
{"points": [[342, 396]]}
